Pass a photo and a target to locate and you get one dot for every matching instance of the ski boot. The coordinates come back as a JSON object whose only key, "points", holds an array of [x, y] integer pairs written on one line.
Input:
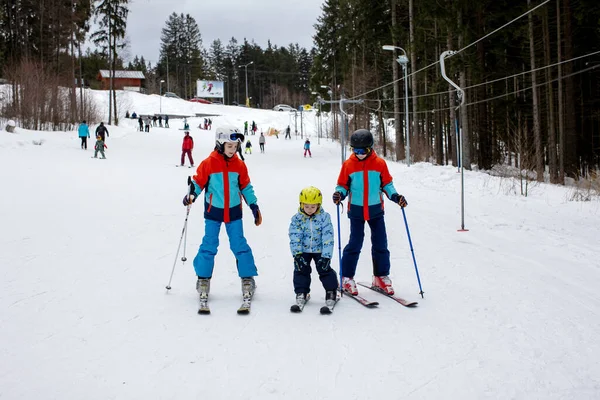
{"points": [[203, 288], [383, 284], [301, 300], [349, 286], [248, 288]]}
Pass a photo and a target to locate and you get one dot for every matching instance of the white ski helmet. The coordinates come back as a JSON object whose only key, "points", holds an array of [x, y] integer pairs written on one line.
{"points": [[227, 134]]}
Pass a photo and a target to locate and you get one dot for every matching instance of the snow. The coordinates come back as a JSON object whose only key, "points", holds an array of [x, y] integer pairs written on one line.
{"points": [[511, 307]]}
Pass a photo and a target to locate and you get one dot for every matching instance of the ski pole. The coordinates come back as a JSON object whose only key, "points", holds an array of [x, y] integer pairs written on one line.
{"points": [[412, 252], [340, 248], [183, 234]]}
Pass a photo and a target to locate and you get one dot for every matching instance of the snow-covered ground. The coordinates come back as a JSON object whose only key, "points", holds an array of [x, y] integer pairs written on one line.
{"points": [[511, 307]]}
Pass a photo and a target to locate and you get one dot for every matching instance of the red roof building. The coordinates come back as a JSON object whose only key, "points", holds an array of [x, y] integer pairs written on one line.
{"points": [[128, 80]]}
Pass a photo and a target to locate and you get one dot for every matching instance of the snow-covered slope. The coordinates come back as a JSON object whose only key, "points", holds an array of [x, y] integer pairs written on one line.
{"points": [[511, 307]]}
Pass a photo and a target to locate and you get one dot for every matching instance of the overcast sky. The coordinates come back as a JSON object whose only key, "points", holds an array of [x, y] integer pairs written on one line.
{"points": [[281, 21]]}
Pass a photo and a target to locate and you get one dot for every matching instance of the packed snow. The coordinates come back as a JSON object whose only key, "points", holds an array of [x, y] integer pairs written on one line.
{"points": [[511, 308]]}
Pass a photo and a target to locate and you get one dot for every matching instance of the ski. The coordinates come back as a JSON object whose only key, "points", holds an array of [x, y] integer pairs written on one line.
{"points": [[362, 300], [400, 300], [325, 310], [203, 309], [245, 307], [297, 308]]}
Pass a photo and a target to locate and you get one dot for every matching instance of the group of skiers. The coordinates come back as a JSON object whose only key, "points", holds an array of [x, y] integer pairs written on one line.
{"points": [[261, 143], [363, 179], [253, 128], [101, 133], [145, 124]]}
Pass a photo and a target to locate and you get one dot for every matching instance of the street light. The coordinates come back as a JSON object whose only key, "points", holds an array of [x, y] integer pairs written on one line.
{"points": [[403, 60], [246, 68], [160, 87]]}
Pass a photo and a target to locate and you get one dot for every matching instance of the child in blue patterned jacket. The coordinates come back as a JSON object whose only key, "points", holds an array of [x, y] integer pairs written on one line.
{"points": [[311, 238]]}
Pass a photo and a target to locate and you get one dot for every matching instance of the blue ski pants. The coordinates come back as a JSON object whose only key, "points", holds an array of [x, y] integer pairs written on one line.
{"points": [[379, 247], [327, 276], [204, 262]]}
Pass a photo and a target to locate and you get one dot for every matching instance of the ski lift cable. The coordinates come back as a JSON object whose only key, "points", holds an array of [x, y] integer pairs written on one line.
{"points": [[457, 51]]}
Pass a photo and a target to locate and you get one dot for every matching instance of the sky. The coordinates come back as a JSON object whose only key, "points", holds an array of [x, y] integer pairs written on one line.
{"points": [[87, 246], [283, 22]]}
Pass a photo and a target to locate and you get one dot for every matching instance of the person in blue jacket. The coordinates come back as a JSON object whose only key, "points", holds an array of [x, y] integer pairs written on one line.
{"points": [[84, 134], [311, 239]]}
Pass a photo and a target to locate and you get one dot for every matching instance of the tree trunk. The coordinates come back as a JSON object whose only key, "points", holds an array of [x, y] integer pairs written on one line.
{"points": [[561, 117], [453, 138], [415, 131], [395, 66], [550, 101], [537, 134], [571, 163], [464, 115]]}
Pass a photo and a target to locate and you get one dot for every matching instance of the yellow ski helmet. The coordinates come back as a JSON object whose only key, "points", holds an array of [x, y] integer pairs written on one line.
{"points": [[311, 195]]}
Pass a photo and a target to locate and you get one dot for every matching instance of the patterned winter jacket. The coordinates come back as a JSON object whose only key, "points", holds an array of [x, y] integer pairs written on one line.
{"points": [[364, 182], [225, 182], [311, 234]]}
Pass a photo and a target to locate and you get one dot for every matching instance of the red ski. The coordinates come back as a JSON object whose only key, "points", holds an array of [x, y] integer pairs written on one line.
{"points": [[362, 300], [400, 300]]}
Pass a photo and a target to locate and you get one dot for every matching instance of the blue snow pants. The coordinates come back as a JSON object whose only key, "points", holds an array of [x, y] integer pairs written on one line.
{"points": [[327, 276], [379, 247], [204, 262]]}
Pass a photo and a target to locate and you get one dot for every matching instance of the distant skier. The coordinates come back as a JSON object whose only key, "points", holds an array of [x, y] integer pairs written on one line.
{"points": [[307, 148], [287, 133], [166, 121], [84, 134], [186, 148], [141, 123], [261, 142], [102, 131], [248, 147], [99, 147]]}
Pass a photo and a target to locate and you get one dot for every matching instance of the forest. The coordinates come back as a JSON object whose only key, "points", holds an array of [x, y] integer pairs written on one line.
{"points": [[528, 73]]}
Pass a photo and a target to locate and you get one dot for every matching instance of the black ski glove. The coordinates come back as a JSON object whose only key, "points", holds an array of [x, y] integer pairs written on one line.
{"points": [[191, 196], [338, 197], [399, 199], [256, 213]]}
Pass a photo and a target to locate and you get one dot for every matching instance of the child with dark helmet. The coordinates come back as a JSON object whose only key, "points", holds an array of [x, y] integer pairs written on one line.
{"points": [[364, 177]]}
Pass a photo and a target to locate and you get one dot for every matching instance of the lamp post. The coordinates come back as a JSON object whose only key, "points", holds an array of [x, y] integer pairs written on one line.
{"points": [[403, 60], [160, 90], [246, 68]]}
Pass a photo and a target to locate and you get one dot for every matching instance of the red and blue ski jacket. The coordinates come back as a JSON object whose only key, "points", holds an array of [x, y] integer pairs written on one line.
{"points": [[224, 182], [364, 182]]}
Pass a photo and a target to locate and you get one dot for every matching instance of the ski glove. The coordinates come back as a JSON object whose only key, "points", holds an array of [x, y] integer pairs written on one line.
{"points": [[323, 264], [399, 199], [338, 197], [300, 262], [189, 199], [256, 214], [191, 196]]}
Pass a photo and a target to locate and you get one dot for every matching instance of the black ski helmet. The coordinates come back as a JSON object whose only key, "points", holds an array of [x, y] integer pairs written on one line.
{"points": [[361, 138]]}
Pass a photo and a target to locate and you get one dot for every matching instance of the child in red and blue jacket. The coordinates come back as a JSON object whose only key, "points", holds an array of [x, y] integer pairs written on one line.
{"points": [[224, 179], [364, 179]]}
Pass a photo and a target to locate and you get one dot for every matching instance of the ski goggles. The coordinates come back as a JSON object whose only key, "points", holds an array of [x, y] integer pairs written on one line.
{"points": [[233, 137], [359, 151]]}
